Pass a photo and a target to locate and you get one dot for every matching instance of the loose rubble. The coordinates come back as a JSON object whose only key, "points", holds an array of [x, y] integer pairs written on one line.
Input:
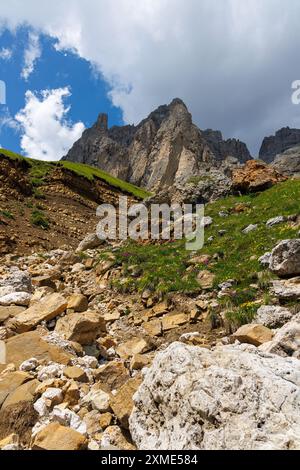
{"points": [[83, 367]]}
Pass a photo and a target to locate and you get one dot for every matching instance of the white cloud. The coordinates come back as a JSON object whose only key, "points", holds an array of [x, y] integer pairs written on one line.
{"points": [[6, 53], [7, 121], [232, 61], [46, 133], [31, 55]]}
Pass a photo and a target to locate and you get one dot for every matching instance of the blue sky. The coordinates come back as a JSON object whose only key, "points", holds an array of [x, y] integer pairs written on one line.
{"points": [[52, 70]]}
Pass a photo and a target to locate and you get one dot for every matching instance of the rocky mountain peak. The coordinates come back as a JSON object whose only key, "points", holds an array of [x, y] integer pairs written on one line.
{"points": [[163, 149], [102, 122]]}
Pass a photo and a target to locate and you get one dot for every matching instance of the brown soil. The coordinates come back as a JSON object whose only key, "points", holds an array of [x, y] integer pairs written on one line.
{"points": [[69, 204], [18, 419]]}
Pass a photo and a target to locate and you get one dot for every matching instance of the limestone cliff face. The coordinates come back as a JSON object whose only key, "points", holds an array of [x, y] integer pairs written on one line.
{"points": [[283, 140], [164, 149]]}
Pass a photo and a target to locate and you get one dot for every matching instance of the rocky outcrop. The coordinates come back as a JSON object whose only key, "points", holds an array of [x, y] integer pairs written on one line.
{"points": [[283, 140], [164, 149], [226, 148], [255, 176], [233, 397], [288, 163]]}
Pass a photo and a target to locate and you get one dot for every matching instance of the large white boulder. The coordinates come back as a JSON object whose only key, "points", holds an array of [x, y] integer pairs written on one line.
{"points": [[273, 316], [285, 258], [233, 397]]}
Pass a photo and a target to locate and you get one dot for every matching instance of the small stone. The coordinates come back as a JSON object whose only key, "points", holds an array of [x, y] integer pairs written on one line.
{"points": [[113, 375], [51, 371], [276, 220], [206, 279], [88, 361], [139, 361], [44, 281], [112, 316], [153, 327], [170, 322], [57, 437], [132, 347], [72, 394], [113, 437], [92, 422], [160, 309], [8, 312], [122, 402], [66, 417], [11, 442], [253, 334], [75, 373], [78, 303], [98, 399], [250, 228], [16, 298], [286, 289], [53, 397], [265, 260], [24, 393], [89, 263], [105, 420], [206, 222], [107, 342], [90, 242], [82, 328], [10, 382], [47, 309], [286, 342], [29, 365]]}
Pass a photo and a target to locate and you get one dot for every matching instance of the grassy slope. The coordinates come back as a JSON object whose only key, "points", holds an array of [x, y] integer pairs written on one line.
{"points": [[39, 169], [164, 267]]}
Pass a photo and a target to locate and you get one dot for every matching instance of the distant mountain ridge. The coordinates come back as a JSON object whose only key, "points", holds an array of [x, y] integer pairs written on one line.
{"points": [[283, 140], [165, 148]]}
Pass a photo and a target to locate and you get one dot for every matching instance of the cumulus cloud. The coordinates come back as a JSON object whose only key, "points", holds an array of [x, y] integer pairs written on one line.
{"points": [[31, 55], [233, 62], [46, 133], [6, 53]]}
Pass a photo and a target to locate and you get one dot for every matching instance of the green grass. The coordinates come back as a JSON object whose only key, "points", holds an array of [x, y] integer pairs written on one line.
{"points": [[38, 170], [92, 173], [164, 267], [241, 316], [39, 219], [12, 155], [7, 214]]}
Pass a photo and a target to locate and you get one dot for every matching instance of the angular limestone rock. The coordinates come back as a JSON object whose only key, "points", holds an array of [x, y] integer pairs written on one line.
{"points": [[57, 437], [233, 398], [83, 328], [47, 309], [255, 334]]}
